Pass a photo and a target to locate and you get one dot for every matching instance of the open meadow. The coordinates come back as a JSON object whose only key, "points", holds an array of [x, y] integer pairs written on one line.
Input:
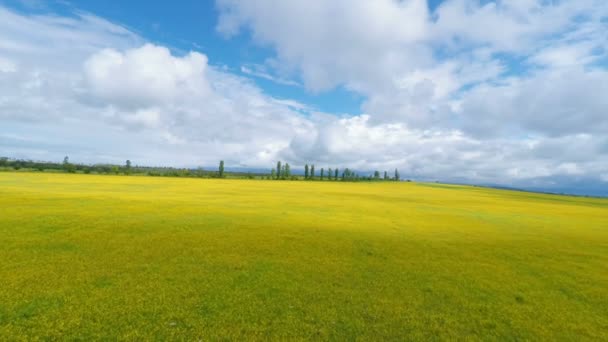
{"points": [[124, 257]]}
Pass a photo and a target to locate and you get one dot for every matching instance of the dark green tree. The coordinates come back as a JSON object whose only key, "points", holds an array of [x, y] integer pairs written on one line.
{"points": [[336, 173], [273, 174], [329, 173], [279, 170], [385, 175], [128, 167], [306, 171], [221, 169], [287, 172], [312, 172], [322, 173], [376, 175], [397, 175], [67, 166], [347, 174]]}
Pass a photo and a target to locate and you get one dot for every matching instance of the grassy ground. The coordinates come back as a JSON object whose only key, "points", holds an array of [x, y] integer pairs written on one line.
{"points": [[117, 257]]}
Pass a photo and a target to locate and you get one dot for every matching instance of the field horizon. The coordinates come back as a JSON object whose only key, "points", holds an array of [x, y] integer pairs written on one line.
{"points": [[122, 257]]}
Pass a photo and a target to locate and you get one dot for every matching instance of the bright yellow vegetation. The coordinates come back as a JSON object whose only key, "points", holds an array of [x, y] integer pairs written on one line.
{"points": [[117, 257]]}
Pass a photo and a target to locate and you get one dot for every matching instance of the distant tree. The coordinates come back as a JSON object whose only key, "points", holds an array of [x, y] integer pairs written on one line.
{"points": [[273, 174], [221, 169], [278, 169], [67, 166], [306, 171], [385, 175], [336, 174], [376, 175], [322, 173], [3, 161], [396, 174], [127, 167], [329, 173], [349, 174], [287, 172], [312, 171]]}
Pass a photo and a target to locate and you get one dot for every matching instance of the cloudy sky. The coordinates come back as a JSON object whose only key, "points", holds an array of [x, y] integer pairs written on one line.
{"points": [[509, 92]]}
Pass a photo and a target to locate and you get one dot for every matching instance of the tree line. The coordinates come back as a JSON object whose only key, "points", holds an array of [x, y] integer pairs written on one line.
{"points": [[128, 168], [282, 171]]}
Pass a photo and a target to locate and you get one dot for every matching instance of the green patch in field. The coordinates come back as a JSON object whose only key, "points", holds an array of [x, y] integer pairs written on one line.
{"points": [[103, 282], [35, 307]]}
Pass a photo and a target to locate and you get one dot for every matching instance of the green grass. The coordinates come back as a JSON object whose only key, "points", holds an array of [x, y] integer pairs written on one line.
{"points": [[131, 258]]}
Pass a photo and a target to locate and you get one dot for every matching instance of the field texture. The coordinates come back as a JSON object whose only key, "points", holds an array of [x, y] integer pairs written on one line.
{"points": [[131, 258]]}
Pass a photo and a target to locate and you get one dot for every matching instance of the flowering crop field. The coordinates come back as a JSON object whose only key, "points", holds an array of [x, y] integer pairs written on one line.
{"points": [[139, 258]]}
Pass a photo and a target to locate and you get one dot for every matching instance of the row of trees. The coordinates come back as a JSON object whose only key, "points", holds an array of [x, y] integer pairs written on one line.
{"points": [[283, 171], [127, 168]]}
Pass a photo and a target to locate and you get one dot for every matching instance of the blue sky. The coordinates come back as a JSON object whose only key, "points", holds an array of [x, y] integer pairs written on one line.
{"points": [[493, 92]]}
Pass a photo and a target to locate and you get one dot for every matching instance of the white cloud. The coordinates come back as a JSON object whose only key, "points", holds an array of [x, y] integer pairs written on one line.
{"points": [[412, 65], [259, 71], [566, 55], [553, 103], [30, 39], [145, 76], [187, 111], [330, 41], [6, 65]]}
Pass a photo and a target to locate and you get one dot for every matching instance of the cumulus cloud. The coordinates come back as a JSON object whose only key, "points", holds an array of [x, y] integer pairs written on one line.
{"points": [[318, 36], [552, 103], [176, 105], [413, 65], [145, 76]]}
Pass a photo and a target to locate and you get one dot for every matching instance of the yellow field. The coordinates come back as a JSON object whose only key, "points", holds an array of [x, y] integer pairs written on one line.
{"points": [[117, 257]]}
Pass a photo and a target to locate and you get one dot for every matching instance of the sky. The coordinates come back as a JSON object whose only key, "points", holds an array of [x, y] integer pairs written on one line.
{"points": [[509, 93]]}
